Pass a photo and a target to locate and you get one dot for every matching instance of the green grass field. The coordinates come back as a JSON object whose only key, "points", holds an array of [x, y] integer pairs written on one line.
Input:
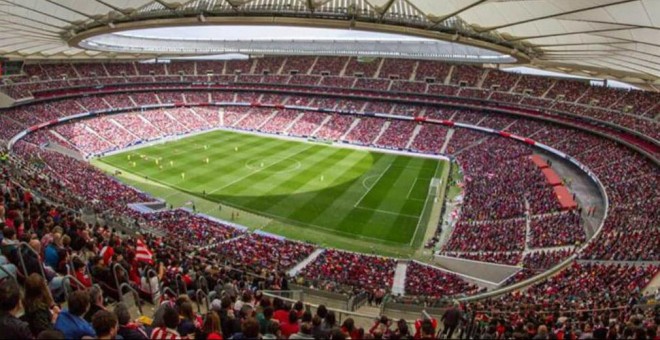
{"points": [[355, 194]]}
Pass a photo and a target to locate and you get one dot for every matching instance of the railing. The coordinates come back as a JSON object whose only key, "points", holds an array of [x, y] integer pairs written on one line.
{"points": [[116, 277], [24, 245], [168, 291], [178, 281], [151, 291], [201, 296], [66, 285], [136, 295], [362, 320]]}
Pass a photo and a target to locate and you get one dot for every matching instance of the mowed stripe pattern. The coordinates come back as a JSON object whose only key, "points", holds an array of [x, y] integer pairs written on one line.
{"points": [[354, 193]]}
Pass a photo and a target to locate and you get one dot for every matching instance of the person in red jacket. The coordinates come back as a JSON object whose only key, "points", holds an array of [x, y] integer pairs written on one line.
{"points": [[291, 325]]}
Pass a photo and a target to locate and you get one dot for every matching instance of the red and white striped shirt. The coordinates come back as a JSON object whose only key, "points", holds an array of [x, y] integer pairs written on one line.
{"points": [[142, 253], [163, 333]]}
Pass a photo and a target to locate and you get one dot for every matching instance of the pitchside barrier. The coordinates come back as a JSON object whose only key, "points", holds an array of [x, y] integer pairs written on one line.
{"points": [[321, 297], [411, 311], [361, 320]]}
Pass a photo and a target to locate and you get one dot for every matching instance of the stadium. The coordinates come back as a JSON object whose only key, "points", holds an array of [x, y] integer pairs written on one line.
{"points": [[397, 169]]}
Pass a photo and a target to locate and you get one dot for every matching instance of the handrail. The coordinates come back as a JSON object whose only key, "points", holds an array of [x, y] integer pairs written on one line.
{"points": [[69, 278], [135, 294], [41, 266], [165, 290], [203, 284], [114, 273], [200, 296], [73, 268], [178, 280], [22, 261], [151, 291]]}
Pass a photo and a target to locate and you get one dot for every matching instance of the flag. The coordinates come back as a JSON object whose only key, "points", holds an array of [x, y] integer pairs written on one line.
{"points": [[106, 253], [142, 253]]}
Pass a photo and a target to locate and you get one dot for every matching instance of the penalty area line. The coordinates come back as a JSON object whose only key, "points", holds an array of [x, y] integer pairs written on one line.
{"points": [[372, 186]]}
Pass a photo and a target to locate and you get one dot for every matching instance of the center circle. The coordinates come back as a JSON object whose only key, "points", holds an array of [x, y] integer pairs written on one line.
{"points": [[273, 164]]}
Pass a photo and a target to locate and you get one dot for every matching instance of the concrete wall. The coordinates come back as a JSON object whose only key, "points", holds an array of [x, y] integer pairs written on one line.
{"points": [[491, 272], [5, 100]]}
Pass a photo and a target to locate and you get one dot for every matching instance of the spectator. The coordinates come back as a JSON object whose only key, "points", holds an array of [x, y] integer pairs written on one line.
{"points": [[96, 298], [265, 319], [273, 332], [317, 326], [40, 312], [291, 325], [10, 305], [211, 328], [71, 322], [51, 334], [249, 330], [169, 329], [33, 264], [451, 319], [105, 324], [188, 321], [349, 329], [128, 329]]}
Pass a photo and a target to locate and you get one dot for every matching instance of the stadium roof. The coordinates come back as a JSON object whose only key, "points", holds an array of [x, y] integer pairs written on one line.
{"points": [[598, 38]]}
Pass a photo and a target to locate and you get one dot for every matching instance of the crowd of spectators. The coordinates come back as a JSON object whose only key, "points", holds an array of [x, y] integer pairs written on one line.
{"points": [[189, 118], [397, 135], [429, 139], [301, 64], [263, 254], [427, 281], [163, 121], [334, 268], [629, 234], [366, 131], [307, 80], [495, 236], [336, 127], [307, 124], [331, 65], [397, 68], [556, 230], [281, 121]]}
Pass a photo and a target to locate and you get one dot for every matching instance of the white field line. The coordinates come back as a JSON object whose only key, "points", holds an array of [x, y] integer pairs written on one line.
{"points": [[388, 212], [256, 171], [424, 209], [411, 188], [372, 186]]}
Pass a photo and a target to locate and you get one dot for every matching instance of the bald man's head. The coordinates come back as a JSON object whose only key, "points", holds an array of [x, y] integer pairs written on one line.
{"points": [[35, 245]]}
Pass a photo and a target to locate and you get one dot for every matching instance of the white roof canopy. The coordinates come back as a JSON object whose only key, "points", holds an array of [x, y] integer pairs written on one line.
{"points": [[601, 38]]}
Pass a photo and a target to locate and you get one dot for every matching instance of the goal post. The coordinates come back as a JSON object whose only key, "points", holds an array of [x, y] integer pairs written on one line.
{"points": [[434, 191]]}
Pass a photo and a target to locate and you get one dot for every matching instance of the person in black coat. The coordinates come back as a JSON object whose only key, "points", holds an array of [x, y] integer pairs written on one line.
{"points": [[128, 329], [10, 303]]}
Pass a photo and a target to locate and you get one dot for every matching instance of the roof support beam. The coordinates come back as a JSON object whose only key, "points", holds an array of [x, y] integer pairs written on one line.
{"points": [[628, 40], [10, 14], [36, 11], [457, 12], [568, 33], [12, 23], [553, 16], [73, 10]]}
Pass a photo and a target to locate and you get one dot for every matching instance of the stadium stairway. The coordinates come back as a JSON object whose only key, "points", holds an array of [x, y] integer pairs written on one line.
{"points": [[399, 282], [450, 133], [413, 136], [294, 271]]}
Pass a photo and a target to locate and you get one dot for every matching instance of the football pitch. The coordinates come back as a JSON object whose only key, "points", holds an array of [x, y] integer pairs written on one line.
{"points": [[354, 193]]}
